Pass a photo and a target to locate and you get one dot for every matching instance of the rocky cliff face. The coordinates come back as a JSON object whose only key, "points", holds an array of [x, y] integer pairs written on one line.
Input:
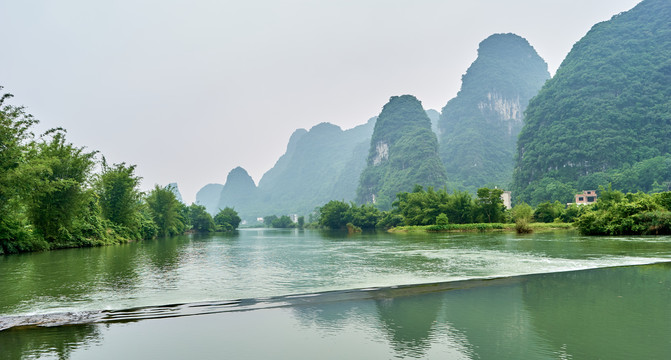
{"points": [[479, 128], [403, 153]]}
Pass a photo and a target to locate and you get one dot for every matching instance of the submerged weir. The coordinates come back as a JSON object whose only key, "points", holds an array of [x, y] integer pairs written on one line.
{"points": [[615, 312], [306, 294]]}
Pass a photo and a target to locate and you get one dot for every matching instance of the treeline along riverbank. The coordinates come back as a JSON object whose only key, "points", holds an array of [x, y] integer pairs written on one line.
{"points": [[52, 197]]}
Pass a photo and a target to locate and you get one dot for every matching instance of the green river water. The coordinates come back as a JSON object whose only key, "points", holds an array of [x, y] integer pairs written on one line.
{"points": [[268, 294]]}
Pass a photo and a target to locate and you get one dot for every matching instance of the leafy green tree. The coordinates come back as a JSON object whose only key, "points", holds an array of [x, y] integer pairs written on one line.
{"points": [[365, 216], [442, 220], [522, 211], [268, 220], [490, 206], [166, 211], [547, 212], [118, 191], [60, 196], [16, 178], [301, 222], [460, 208], [200, 219], [282, 222], [334, 215], [616, 213], [227, 219]]}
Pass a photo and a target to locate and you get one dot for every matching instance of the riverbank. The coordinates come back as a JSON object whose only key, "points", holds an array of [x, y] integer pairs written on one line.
{"points": [[480, 227]]}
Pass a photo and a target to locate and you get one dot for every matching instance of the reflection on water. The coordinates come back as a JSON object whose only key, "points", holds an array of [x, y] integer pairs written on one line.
{"points": [[266, 263], [611, 313], [56, 342]]}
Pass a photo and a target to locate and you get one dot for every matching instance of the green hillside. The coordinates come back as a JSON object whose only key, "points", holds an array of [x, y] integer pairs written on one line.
{"points": [[605, 114], [479, 127], [403, 153]]}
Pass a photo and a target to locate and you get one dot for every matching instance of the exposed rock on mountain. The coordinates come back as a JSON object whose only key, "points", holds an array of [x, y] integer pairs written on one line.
{"points": [[403, 153], [479, 128]]}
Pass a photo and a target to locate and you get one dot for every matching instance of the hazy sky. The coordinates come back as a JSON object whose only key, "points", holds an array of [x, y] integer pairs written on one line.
{"points": [[188, 90]]}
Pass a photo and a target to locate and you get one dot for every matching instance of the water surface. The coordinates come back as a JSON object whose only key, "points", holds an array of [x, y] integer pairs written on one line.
{"points": [[607, 313], [266, 263]]}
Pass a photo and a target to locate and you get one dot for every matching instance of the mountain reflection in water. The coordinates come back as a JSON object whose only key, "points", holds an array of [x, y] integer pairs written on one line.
{"points": [[610, 313]]}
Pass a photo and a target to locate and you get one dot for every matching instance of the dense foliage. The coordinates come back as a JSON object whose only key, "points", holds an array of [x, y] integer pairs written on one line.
{"points": [[403, 152], [605, 113], [419, 207], [280, 222], [50, 196], [479, 128], [227, 219], [617, 213]]}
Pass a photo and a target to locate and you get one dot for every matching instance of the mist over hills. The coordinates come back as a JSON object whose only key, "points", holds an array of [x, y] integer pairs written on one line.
{"points": [[604, 118]]}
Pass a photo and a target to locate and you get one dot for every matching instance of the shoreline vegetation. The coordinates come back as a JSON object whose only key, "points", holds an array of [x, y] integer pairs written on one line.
{"points": [[479, 227], [55, 195]]}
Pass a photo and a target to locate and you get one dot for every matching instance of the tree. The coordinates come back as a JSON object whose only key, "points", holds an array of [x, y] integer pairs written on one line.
{"points": [[166, 210], [365, 216], [200, 219], [16, 181], [522, 211], [119, 196], [268, 220], [334, 215], [282, 222], [227, 219], [490, 205], [547, 212], [60, 195]]}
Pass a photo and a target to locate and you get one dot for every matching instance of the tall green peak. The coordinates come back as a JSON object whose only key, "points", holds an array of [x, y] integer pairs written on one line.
{"points": [[403, 153], [479, 127], [607, 110]]}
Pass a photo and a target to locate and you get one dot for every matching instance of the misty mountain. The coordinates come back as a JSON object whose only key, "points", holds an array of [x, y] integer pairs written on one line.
{"points": [[239, 192], [479, 127], [605, 114], [319, 165], [208, 196], [403, 152]]}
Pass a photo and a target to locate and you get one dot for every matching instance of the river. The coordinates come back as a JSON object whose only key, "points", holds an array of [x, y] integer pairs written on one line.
{"points": [[308, 294]]}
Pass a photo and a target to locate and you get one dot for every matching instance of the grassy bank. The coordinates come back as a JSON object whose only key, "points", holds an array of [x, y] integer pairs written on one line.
{"points": [[479, 227]]}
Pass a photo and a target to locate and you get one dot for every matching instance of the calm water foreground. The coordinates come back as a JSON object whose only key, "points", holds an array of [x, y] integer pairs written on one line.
{"points": [[241, 298]]}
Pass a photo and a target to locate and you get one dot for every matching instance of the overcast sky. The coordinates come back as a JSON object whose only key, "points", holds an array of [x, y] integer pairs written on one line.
{"points": [[188, 90]]}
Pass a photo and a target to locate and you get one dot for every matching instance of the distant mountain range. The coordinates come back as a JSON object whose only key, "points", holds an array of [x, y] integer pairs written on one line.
{"points": [[604, 118]]}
